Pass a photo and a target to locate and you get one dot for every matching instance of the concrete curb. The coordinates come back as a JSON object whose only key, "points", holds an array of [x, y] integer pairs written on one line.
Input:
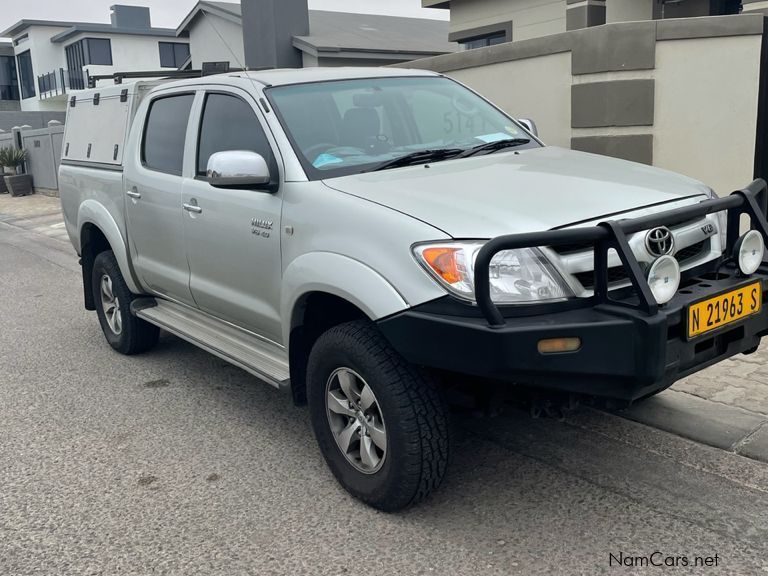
{"points": [[727, 427]]}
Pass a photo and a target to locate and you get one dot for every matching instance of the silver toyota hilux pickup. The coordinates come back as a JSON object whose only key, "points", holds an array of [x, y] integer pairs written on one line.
{"points": [[363, 237]]}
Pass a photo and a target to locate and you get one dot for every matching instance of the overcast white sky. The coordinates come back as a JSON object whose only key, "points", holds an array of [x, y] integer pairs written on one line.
{"points": [[169, 13]]}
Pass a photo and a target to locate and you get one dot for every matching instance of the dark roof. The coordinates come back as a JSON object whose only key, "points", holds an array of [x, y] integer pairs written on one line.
{"points": [[109, 29], [349, 32], [73, 28], [227, 10], [346, 31]]}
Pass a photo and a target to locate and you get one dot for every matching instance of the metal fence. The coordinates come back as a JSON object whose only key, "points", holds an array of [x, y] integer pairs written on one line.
{"points": [[60, 81], [43, 146]]}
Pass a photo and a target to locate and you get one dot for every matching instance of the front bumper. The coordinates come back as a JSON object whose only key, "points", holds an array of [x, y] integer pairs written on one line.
{"points": [[625, 354], [630, 346]]}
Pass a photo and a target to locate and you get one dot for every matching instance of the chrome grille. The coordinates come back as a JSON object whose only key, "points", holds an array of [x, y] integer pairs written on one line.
{"points": [[617, 274]]}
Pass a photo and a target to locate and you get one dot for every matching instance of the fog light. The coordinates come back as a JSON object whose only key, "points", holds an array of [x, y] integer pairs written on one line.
{"points": [[559, 345], [748, 251], [664, 279]]}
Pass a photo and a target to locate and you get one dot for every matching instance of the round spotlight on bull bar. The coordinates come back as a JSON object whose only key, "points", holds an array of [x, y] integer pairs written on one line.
{"points": [[664, 278], [748, 252]]}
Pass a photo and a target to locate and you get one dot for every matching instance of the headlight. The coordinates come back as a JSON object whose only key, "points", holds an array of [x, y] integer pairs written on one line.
{"points": [[722, 221], [516, 276]]}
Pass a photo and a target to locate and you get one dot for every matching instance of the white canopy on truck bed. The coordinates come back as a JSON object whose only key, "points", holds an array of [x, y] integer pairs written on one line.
{"points": [[98, 122]]}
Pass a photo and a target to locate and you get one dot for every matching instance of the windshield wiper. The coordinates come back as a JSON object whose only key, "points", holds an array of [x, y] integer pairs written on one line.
{"points": [[418, 156], [494, 146]]}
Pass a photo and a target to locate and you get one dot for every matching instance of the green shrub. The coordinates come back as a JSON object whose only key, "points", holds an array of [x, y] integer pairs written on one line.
{"points": [[12, 157]]}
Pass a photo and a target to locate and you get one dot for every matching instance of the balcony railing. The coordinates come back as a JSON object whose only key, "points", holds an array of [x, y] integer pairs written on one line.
{"points": [[60, 81]]}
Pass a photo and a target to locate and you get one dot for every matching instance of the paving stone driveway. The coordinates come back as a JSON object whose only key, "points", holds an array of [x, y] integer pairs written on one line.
{"points": [[740, 381]]}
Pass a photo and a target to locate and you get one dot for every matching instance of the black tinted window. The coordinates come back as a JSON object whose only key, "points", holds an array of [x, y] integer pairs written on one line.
{"points": [[173, 54], [99, 51], [229, 123], [166, 132], [26, 76]]}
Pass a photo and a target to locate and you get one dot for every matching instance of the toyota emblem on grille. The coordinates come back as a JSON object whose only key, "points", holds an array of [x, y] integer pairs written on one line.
{"points": [[659, 241]]}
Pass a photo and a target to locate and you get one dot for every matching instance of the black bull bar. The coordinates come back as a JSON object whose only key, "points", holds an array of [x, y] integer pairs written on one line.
{"points": [[612, 234]]}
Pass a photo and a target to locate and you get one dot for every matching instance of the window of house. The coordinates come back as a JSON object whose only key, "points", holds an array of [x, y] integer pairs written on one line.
{"points": [[165, 133], [483, 41], [26, 75], [99, 51], [173, 54], [9, 82], [229, 123]]}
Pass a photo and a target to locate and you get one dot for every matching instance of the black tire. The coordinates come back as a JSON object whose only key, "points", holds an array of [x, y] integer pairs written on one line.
{"points": [[135, 335], [414, 411]]}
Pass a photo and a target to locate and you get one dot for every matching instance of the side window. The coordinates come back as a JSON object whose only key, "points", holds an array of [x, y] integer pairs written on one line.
{"points": [[165, 133], [229, 123]]}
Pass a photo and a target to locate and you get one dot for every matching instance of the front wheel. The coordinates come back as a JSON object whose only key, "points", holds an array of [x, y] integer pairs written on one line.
{"points": [[381, 424]]}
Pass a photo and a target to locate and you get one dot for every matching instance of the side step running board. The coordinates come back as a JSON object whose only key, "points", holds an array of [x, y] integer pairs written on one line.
{"points": [[261, 358]]}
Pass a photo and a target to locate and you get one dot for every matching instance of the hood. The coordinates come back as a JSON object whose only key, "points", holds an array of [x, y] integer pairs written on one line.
{"points": [[525, 191]]}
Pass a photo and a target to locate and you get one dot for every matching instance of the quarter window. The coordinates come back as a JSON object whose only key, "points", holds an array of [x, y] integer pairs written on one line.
{"points": [[229, 123], [166, 132]]}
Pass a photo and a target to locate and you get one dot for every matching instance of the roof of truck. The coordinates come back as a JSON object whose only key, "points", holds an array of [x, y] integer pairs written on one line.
{"points": [[285, 76]]}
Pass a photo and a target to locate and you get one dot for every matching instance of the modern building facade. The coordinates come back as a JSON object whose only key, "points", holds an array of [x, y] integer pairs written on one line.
{"points": [[479, 23], [284, 33], [50, 58]]}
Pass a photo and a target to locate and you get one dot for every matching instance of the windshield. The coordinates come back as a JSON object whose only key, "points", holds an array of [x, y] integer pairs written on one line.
{"points": [[352, 126]]}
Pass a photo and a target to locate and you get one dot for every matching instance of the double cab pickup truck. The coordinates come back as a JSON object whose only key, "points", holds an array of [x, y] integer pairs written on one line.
{"points": [[360, 237]]}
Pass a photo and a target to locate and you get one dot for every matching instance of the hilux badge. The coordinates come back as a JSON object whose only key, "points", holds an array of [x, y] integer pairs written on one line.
{"points": [[261, 227]]}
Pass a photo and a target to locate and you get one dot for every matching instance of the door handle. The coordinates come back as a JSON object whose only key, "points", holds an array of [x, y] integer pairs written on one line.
{"points": [[133, 193], [192, 208]]}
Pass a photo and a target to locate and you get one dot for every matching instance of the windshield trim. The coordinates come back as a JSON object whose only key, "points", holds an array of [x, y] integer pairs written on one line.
{"points": [[315, 174]]}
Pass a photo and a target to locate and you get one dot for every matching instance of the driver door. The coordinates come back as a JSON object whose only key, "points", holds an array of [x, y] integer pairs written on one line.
{"points": [[233, 235]]}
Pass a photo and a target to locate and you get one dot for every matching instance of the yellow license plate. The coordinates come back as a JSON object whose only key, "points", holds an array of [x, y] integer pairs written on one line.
{"points": [[723, 309]]}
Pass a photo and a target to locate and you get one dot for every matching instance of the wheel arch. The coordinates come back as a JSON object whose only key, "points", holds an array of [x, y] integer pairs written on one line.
{"points": [[98, 232], [322, 290]]}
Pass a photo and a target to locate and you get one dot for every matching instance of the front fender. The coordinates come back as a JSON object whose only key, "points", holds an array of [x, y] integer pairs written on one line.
{"points": [[341, 276], [93, 212]]}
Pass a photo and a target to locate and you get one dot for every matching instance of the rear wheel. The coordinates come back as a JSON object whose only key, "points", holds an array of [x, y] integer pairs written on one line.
{"points": [[124, 332], [381, 423]]}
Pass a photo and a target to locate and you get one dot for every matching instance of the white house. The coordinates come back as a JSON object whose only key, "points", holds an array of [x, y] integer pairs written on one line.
{"points": [[53, 58]]}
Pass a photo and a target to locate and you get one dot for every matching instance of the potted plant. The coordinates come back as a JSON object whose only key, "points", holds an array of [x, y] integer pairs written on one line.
{"points": [[19, 184], [3, 171]]}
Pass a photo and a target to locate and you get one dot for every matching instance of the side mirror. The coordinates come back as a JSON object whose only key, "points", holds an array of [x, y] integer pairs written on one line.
{"points": [[238, 169], [529, 125]]}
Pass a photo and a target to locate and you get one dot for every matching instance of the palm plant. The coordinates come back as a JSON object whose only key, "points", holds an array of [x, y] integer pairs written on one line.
{"points": [[17, 183], [13, 158]]}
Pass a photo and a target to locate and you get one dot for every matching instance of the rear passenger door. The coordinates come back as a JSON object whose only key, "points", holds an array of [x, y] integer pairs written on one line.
{"points": [[233, 235], [153, 185]]}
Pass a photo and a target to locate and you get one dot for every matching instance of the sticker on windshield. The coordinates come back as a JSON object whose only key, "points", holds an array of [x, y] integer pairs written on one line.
{"points": [[495, 137], [325, 159]]}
